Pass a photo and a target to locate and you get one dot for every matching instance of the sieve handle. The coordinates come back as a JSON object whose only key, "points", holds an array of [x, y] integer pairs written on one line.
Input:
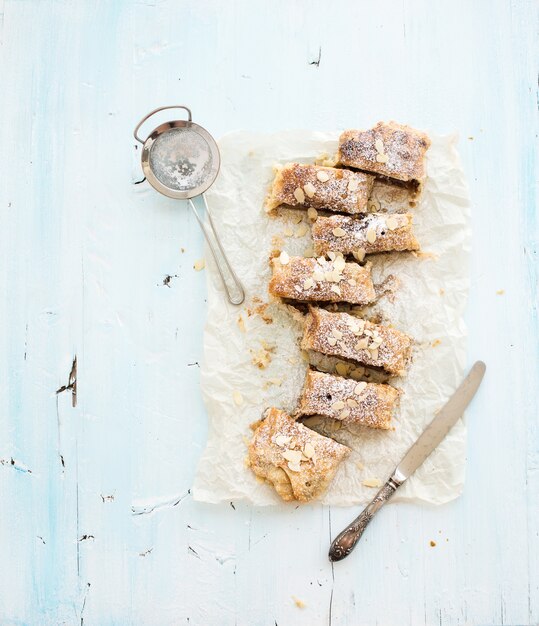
{"points": [[231, 283], [146, 117]]}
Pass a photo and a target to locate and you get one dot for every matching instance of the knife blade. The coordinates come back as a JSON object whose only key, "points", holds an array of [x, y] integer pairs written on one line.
{"points": [[428, 441]]}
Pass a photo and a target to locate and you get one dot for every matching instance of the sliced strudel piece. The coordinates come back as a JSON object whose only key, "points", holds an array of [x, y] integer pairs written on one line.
{"points": [[305, 186], [299, 463], [347, 400], [390, 149], [348, 337], [372, 232], [323, 280]]}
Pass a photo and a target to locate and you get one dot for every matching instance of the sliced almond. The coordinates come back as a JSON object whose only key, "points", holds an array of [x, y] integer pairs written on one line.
{"points": [[294, 456], [332, 255], [308, 283], [359, 254], [308, 450], [318, 275], [352, 282], [282, 440], [322, 176], [238, 398], [353, 184], [360, 388], [392, 223], [276, 381], [372, 482], [284, 258], [312, 213], [301, 230], [295, 467], [337, 406], [371, 235], [338, 232], [382, 158], [362, 344], [332, 341], [339, 264], [336, 333], [299, 195], [374, 354], [379, 145], [309, 190], [344, 414], [199, 265], [336, 289], [287, 231]]}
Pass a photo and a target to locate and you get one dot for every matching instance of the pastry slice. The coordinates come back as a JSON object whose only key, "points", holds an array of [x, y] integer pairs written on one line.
{"points": [[299, 463], [355, 339], [298, 278], [372, 232], [391, 150], [347, 400], [305, 186]]}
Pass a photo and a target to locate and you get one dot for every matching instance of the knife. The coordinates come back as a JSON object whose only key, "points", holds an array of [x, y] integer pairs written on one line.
{"points": [[428, 441]]}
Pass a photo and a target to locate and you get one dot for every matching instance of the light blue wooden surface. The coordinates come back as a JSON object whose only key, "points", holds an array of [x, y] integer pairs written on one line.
{"points": [[84, 255]]}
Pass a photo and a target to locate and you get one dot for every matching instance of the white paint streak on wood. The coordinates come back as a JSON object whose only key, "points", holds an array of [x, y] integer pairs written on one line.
{"points": [[85, 252]]}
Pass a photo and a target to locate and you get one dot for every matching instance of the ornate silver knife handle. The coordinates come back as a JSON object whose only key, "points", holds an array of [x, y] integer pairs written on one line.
{"points": [[346, 541]]}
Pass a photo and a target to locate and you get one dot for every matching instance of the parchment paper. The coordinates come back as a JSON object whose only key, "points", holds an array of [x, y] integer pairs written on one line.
{"points": [[428, 305]]}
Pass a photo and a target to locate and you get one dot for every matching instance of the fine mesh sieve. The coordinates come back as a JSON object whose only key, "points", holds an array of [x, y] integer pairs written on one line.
{"points": [[180, 159]]}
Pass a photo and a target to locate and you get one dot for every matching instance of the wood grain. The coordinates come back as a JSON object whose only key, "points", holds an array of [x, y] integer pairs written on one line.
{"points": [[86, 253]]}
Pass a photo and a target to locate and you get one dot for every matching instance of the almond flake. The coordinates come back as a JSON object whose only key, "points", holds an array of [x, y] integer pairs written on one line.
{"points": [[322, 260], [309, 190], [282, 440], [372, 482], [342, 369], [336, 289], [339, 264], [299, 195], [371, 235], [351, 403], [322, 176], [199, 265], [359, 254], [276, 381], [284, 258], [344, 414], [308, 450], [353, 184], [337, 406], [294, 456], [288, 232], [361, 344], [317, 275], [379, 145], [338, 232], [374, 354], [336, 333], [382, 158], [352, 282], [294, 467], [302, 230], [332, 341], [308, 284], [360, 388], [332, 255], [238, 398], [392, 223], [312, 213]]}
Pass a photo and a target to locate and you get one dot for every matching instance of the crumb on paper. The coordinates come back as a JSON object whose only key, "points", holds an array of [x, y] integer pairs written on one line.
{"points": [[500, 292], [277, 241], [182, 250], [372, 482], [442, 291], [199, 265], [260, 310], [241, 323], [261, 358], [360, 465], [277, 382], [424, 255], [436, 342], [470, 138], [251, 153], [238, 398], [432, 543], [299, 603]]}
